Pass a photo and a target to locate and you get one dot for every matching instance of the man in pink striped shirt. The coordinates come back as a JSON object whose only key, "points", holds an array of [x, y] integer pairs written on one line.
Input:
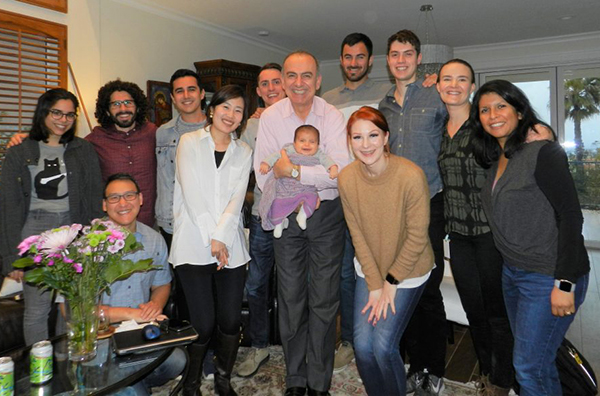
{"points": [[308, 261]]}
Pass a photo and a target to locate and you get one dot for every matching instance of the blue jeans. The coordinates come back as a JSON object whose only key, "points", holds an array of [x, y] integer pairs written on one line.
{"points": [[37, 301], [347, 286], [167, 370], [538, 334], [376, 347], [257, 282]]}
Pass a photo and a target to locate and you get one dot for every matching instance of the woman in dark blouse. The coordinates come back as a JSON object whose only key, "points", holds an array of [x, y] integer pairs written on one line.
{"points": [[475, 261]]}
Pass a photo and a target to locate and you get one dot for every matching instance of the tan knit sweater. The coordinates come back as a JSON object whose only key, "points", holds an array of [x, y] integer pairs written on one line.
{"points": [[388, 218]]}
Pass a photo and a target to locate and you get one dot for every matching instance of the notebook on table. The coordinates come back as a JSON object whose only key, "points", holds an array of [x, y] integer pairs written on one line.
{"points": [[134, 342]]}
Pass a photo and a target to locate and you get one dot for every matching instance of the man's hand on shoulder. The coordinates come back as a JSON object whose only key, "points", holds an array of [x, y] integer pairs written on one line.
{"points": [[16, 139], [430, 80], [258, 112]]}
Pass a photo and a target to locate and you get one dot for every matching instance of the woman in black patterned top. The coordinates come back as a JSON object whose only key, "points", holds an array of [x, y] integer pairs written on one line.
{"points": [[475, 262]]}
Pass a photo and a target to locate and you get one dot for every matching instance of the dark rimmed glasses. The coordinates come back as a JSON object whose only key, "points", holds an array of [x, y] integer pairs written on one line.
{"points": [[57, 115], [116, 198]]}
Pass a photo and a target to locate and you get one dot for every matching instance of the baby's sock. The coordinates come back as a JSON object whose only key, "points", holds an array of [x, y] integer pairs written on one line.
{"points": [[301, 218], [280, 227], [278, 231]]}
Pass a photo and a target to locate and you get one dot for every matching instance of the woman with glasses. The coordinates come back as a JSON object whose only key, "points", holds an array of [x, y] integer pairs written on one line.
{"points": [[209, 249], [50, 180]]}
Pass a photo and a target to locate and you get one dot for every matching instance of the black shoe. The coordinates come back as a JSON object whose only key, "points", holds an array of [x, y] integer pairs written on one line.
{"points": [[227, 347], [191, 383], [312, 392], [295, 391]]}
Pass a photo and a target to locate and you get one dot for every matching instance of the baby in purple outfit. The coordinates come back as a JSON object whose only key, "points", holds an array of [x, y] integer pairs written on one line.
{"points": [[283, 196]]}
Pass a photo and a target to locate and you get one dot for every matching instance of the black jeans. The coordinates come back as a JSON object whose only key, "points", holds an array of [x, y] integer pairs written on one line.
{"points": [[477, 270], [214, 297], [426, 334]]}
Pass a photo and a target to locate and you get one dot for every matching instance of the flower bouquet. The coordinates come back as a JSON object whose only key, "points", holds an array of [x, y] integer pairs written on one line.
{"points": [[80, 263]]}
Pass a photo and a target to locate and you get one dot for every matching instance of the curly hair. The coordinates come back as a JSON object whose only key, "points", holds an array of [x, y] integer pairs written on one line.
{"points": [[103, 102]]}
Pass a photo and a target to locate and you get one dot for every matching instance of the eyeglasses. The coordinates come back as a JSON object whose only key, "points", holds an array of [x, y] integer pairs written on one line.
{"points": [[116, 198], [117, 103], [57, 115]]}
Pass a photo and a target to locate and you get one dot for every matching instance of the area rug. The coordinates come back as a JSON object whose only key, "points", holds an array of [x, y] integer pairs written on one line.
{"points": [[270, 380]]}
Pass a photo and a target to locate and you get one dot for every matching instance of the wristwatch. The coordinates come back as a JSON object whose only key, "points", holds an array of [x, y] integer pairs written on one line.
{"points": [[564, 285], [295, 172], [391, 279]]}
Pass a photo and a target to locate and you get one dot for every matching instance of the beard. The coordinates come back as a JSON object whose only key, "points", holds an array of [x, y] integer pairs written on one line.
{"points": [[355, 77], [123, 124]]}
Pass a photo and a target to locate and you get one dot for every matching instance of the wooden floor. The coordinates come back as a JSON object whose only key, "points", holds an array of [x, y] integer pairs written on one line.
{"points": [[584, 333]]}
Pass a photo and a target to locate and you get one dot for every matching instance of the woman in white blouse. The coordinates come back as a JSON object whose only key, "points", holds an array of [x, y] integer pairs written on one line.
{"points": [[209, 250]]}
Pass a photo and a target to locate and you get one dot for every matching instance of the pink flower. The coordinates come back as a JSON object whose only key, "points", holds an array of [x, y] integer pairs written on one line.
{"points": [[37, 259], [58, 239], [78, 268], [26, 244], [118, 245], [50, 263]]}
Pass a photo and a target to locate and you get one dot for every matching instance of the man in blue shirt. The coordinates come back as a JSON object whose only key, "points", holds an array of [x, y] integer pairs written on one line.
{"points": [[416, 118], [143, 295]]}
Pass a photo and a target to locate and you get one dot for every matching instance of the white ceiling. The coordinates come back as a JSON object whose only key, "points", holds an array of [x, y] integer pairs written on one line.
{"points": [[319, 26]]}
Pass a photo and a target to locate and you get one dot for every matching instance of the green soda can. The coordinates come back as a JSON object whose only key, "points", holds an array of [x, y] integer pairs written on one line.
{"points": [[7, 376], [40, 366]]}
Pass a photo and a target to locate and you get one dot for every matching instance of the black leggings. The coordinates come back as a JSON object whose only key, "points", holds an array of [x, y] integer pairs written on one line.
{"points": [[213, 297]]}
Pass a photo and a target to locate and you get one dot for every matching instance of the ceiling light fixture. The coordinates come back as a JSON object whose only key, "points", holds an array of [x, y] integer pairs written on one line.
{"points": [[263, 33], [434, 55]]}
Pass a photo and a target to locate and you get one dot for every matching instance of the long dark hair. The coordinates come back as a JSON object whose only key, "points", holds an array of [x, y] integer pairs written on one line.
{"points": [[223, 95], [103, 102], [39, 130], [486, 147]]}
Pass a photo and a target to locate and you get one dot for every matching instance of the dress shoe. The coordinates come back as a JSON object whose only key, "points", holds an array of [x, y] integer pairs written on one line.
{"points": [[312, 392], [295, 391]]}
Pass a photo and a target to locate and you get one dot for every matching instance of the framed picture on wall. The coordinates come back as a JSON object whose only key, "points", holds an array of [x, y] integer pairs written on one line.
{"points": [[160, 110], [56, 5]]}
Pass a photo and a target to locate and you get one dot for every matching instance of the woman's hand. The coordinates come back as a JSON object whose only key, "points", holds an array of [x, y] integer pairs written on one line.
{"points": [[16, 275], [374, 296], [563, 303], [219, 251], [386, 300]]}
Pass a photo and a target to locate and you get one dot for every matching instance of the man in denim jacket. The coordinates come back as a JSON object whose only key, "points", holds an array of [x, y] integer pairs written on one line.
{"points": [[187, 96], [416, 118]]}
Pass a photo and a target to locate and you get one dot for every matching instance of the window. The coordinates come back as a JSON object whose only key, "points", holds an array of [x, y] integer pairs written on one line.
{"points": [[568, 98], [33, 59]]}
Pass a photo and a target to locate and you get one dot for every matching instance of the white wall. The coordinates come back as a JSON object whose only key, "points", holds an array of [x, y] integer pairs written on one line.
{"points": [[119, 38], [553, 51]]}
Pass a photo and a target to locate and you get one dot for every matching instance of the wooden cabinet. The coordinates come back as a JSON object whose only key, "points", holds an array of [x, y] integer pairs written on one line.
{"points": [[219, 72]]}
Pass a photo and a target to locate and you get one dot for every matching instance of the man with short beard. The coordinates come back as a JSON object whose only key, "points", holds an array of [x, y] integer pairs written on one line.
{"points": [[357, 90], [125, 140]]}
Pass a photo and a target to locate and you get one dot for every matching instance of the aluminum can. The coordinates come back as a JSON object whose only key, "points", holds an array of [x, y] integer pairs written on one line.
{"points": [[40, 367], [7, 376]]}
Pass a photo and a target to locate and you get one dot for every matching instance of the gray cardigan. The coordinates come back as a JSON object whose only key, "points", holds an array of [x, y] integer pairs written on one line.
{"points": [[535, 215], [85, 191]]}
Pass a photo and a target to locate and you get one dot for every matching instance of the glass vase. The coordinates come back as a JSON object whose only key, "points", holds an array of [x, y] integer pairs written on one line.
{"points": [[82, 327]]}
